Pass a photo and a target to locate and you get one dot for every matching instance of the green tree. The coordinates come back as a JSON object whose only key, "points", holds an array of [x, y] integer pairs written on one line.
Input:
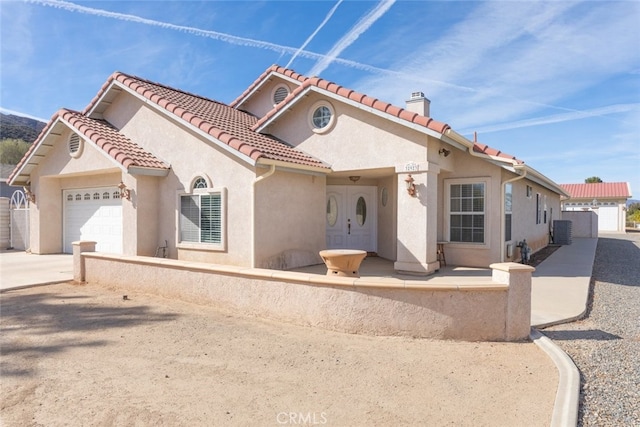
{"points": [[12, 151], [593, 179], [633, 212]]}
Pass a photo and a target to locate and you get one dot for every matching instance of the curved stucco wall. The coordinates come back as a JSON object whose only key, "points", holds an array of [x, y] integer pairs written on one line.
{"points": [[494, 310]]}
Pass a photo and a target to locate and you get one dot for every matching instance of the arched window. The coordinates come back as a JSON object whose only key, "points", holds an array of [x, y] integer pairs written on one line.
{"points": [[200, 182]]}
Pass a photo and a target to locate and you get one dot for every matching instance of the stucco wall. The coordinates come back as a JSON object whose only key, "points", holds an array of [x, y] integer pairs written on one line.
{"points": [[59, 171], [289, 220], [524, 224], [262, 104], [387, 218], [498, 310], [5, 230], [357, 140], [189, 156], [583, 223], [476, 170]]}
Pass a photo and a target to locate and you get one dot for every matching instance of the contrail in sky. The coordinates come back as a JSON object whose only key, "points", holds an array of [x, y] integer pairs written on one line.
{"points": [[557, 118], [324, 60], [351, 36], [243, 41], [308, 40]]}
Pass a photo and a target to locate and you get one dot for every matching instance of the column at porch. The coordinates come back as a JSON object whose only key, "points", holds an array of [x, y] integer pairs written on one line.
{"points": [[46, 217], [140, 215], [417, 219]]}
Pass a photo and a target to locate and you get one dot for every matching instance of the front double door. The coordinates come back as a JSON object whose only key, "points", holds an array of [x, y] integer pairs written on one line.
{"points": [[351, 217]]}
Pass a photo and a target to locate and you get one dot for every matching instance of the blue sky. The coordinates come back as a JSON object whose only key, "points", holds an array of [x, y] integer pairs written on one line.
{"points": [[556, 84]]}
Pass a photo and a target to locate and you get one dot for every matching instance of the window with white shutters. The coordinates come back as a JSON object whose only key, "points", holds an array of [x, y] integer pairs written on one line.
{"points": [[201, 218]]}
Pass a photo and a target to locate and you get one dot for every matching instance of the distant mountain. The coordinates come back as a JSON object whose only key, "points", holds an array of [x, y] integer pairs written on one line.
{"points": [[631, 201], [16, 127]]}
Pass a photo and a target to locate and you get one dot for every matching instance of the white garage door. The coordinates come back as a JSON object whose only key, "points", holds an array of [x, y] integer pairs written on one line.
{"points": [[608, 218], [93, 214]]}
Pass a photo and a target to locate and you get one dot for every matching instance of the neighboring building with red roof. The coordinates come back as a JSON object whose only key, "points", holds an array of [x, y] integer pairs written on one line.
{"points": [[293, 166], [607, 199]]}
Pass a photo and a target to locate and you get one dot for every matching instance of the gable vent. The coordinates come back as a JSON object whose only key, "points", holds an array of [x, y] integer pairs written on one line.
{"points": [[280, 94], [74, 144]]}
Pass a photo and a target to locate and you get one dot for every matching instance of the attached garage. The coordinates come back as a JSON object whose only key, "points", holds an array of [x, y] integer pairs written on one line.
{"points": [[93, 214]]}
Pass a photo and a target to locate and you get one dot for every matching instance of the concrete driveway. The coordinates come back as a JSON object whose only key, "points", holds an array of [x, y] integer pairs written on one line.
{"points": [[20, 269]]}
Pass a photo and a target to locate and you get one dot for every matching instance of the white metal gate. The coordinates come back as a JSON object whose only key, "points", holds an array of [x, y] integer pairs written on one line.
{"points": [[19, 208]]}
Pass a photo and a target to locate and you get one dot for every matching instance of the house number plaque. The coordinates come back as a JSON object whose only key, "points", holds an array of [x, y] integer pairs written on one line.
{"points": [[411, 167]]}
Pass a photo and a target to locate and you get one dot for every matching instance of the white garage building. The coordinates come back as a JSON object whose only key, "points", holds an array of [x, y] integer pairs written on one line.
{"points": [[607, 199]]}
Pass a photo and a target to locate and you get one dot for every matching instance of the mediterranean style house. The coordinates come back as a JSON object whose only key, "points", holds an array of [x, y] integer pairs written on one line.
{"points": [[607, 199], [293, 166]]}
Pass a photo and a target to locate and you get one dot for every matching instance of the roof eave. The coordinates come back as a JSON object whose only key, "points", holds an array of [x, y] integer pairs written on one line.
{"points": [[32, 157], [237, 103], [355, 104], [221, 144], [541, 179], [147, 171], [297, 167]]}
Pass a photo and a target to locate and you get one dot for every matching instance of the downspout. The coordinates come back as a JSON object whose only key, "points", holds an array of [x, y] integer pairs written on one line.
{"points": [[502, 209], [271, 171], [516, 167]]}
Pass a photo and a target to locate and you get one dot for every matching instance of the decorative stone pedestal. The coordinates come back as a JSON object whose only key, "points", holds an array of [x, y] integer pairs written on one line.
{"points": [[343, 262]]}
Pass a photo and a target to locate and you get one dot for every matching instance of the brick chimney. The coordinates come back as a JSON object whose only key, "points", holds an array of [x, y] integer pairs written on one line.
{"points": [[418, 104]]}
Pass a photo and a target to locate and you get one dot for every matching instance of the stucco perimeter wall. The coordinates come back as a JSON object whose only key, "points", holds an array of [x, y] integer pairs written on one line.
{"points": [[583, 223], [5, 223], [493, 311]]}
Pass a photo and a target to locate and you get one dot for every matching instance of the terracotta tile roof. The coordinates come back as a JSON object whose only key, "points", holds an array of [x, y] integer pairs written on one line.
{"points": [[602, 190], [385, 107], [485, 149], [273, 69], [365, 100], [226, 124], [112, 142], [105, 136]]}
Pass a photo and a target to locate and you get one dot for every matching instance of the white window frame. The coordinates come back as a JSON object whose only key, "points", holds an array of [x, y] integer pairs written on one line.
{"points": [[218, 246], [332, 119], [508, 211], [447, 217]]}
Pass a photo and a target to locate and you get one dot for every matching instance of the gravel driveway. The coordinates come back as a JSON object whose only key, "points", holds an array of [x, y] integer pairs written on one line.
{"points": [[606, 344]]}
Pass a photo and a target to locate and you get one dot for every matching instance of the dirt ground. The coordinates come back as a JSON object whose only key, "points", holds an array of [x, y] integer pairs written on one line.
{"points": [[83, 355]]}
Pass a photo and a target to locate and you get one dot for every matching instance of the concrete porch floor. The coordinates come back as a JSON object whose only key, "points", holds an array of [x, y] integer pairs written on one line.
{"points": [[374, 266]]}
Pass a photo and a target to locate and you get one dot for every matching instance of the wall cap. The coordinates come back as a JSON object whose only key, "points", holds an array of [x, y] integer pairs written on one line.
{"points": [[512, 267], [305, 278]]}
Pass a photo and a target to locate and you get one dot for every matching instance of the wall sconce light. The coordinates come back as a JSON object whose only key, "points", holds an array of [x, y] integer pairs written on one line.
{"points": [[411, 187], [30, 196], [444, 151], [354, 178], [125, 193]]}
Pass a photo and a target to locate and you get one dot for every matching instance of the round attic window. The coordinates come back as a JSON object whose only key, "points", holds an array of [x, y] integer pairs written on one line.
{"points": [[279, 94], [321, 117], [75, 145]]}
